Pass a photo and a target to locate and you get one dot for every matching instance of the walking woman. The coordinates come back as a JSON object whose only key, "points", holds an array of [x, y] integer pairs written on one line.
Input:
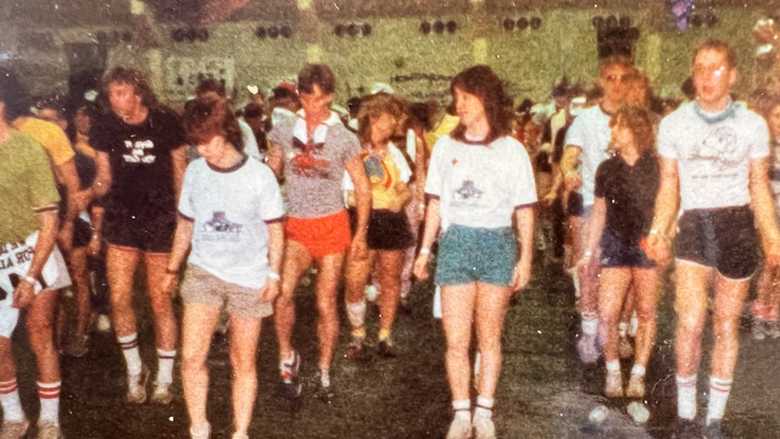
{"points": [[231, 211], [629, 180], [479, 178], [388, 228]]}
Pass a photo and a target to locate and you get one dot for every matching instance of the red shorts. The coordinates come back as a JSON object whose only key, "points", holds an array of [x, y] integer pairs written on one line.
{"points": [[322, 236]]}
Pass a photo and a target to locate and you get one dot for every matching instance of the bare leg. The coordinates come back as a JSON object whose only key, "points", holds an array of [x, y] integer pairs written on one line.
{"points": [[244, 334], [197, 329], [296, 261], [458, 303], [327, 293]]}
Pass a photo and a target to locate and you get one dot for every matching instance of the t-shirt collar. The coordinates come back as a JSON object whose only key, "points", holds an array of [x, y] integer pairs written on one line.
{"points": [[320, 133], [718, 116], [234, 167]]}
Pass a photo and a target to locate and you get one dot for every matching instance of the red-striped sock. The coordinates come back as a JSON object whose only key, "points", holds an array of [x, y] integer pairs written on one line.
{"points": [[49, 393], [9, 400]]}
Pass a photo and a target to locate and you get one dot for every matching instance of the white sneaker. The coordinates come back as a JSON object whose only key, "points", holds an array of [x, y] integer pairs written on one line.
{"points": [[460, 429], [162, 393], [203, 433], [136, 386], [586, 347], [48, 430], [484, 428], [14, 430], [613, 386]]}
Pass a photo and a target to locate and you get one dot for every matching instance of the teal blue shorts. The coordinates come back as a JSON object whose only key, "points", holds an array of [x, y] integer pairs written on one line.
{"points": [[468, 255]]}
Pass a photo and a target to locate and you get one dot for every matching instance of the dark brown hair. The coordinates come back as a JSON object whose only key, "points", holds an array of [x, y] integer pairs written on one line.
{"points": [[372, 106], [318, 74], [483, 83], [640, 122], [124, 75], [212, 84], [206, 117], [720, 46]]}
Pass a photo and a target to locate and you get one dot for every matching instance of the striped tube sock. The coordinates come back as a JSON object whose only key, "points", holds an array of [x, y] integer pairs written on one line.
{"points": [[49, 393], [462, 409], [484, 408], [129, 345], [9, 400], [686, 397], [165, 365], [719, 395]]}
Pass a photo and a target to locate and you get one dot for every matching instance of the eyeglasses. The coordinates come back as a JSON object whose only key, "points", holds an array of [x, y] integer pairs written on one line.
{"points": [[616, 78]]}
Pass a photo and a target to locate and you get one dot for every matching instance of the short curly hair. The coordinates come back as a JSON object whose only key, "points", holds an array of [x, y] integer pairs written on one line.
{"points": [[206, 117], [124, 75]]}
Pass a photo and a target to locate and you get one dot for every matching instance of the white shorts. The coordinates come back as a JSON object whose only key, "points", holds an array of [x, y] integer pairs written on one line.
{"points": [[15, 259]]}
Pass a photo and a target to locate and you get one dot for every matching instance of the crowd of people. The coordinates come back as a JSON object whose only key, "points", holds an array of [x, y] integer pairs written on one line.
{"points": [[232, 210]]}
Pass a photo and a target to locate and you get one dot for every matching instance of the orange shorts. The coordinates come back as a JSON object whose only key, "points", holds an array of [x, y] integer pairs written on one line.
{"points": [[322, 236]]}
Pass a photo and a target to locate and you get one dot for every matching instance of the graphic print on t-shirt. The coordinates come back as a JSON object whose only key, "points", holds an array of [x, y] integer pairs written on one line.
{"points": [[468, 190], [219, 228], [307, 161], [719, 146], [139, 151]]}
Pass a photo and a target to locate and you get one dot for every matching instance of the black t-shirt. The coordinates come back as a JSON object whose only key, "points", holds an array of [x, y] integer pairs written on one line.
{"points": [[629, 192], [141, 164]]}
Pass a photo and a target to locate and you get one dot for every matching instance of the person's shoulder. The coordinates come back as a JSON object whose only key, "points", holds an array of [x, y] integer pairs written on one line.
{"points": [[682, 114], [748, 116], [33, 126]]}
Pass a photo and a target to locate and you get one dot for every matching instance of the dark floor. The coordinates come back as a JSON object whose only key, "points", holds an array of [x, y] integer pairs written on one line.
{"points": [[544, 391]]}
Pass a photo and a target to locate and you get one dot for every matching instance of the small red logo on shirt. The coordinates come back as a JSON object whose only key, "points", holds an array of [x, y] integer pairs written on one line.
{"points": [[454, 161]]}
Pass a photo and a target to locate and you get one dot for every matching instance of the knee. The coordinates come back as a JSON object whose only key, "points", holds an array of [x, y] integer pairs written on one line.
{"points": [[725, 327], [689, 326], [243, 365], [192, 362], [645, 313]]}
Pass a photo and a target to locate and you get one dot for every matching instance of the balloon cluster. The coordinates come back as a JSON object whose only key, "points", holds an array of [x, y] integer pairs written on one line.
{"points": [[680, 9], [765, 33]]}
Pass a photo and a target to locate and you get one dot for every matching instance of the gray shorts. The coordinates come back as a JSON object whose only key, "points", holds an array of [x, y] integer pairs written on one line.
{"points": [[200, 286]]}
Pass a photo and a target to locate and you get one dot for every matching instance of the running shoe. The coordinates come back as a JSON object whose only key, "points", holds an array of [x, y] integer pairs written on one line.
{"points": [[48, 430], [587, 349], [358, 351], [613, 385], [636, 387], [14, 430], [162, 393], [688, 429], [484, 428], [714, 431], [203, 433], [625, 348], [289, 372], [136, 386], [385, 349], [238, 435], [325, 391], [759, 328], [460, 429]]}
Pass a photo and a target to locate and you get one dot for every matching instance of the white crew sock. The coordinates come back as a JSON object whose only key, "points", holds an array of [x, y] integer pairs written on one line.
{"points": [[356, 313], [165, 361], [719, 395], [613, 366], [129, 345], [462, 409], [686, 397], [49, 394], [9, 400], [484, 408], [590, 323], [638, 370]]}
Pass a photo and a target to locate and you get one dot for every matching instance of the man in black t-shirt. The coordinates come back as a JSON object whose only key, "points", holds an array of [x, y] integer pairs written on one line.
{"points": [[141, 160]]}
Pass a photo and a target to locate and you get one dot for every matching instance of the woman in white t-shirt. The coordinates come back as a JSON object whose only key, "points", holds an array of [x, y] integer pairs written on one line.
{"points": [[479, 178], [230, 210]]}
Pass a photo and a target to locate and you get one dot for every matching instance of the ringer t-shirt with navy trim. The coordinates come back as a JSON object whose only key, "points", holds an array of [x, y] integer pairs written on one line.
{"points": [[480, 185], [231, 209]]}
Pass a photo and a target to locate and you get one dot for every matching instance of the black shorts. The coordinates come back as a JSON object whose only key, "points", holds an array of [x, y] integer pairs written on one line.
{"points": [[615, 253], [148, 232], [386, 230], [82, 233], [724, 239], [575, 205]]}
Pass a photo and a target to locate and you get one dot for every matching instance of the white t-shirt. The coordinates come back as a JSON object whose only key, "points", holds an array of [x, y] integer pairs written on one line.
{"points": [[590, 131], [480, 185], [231, 208], [713, 159]]}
